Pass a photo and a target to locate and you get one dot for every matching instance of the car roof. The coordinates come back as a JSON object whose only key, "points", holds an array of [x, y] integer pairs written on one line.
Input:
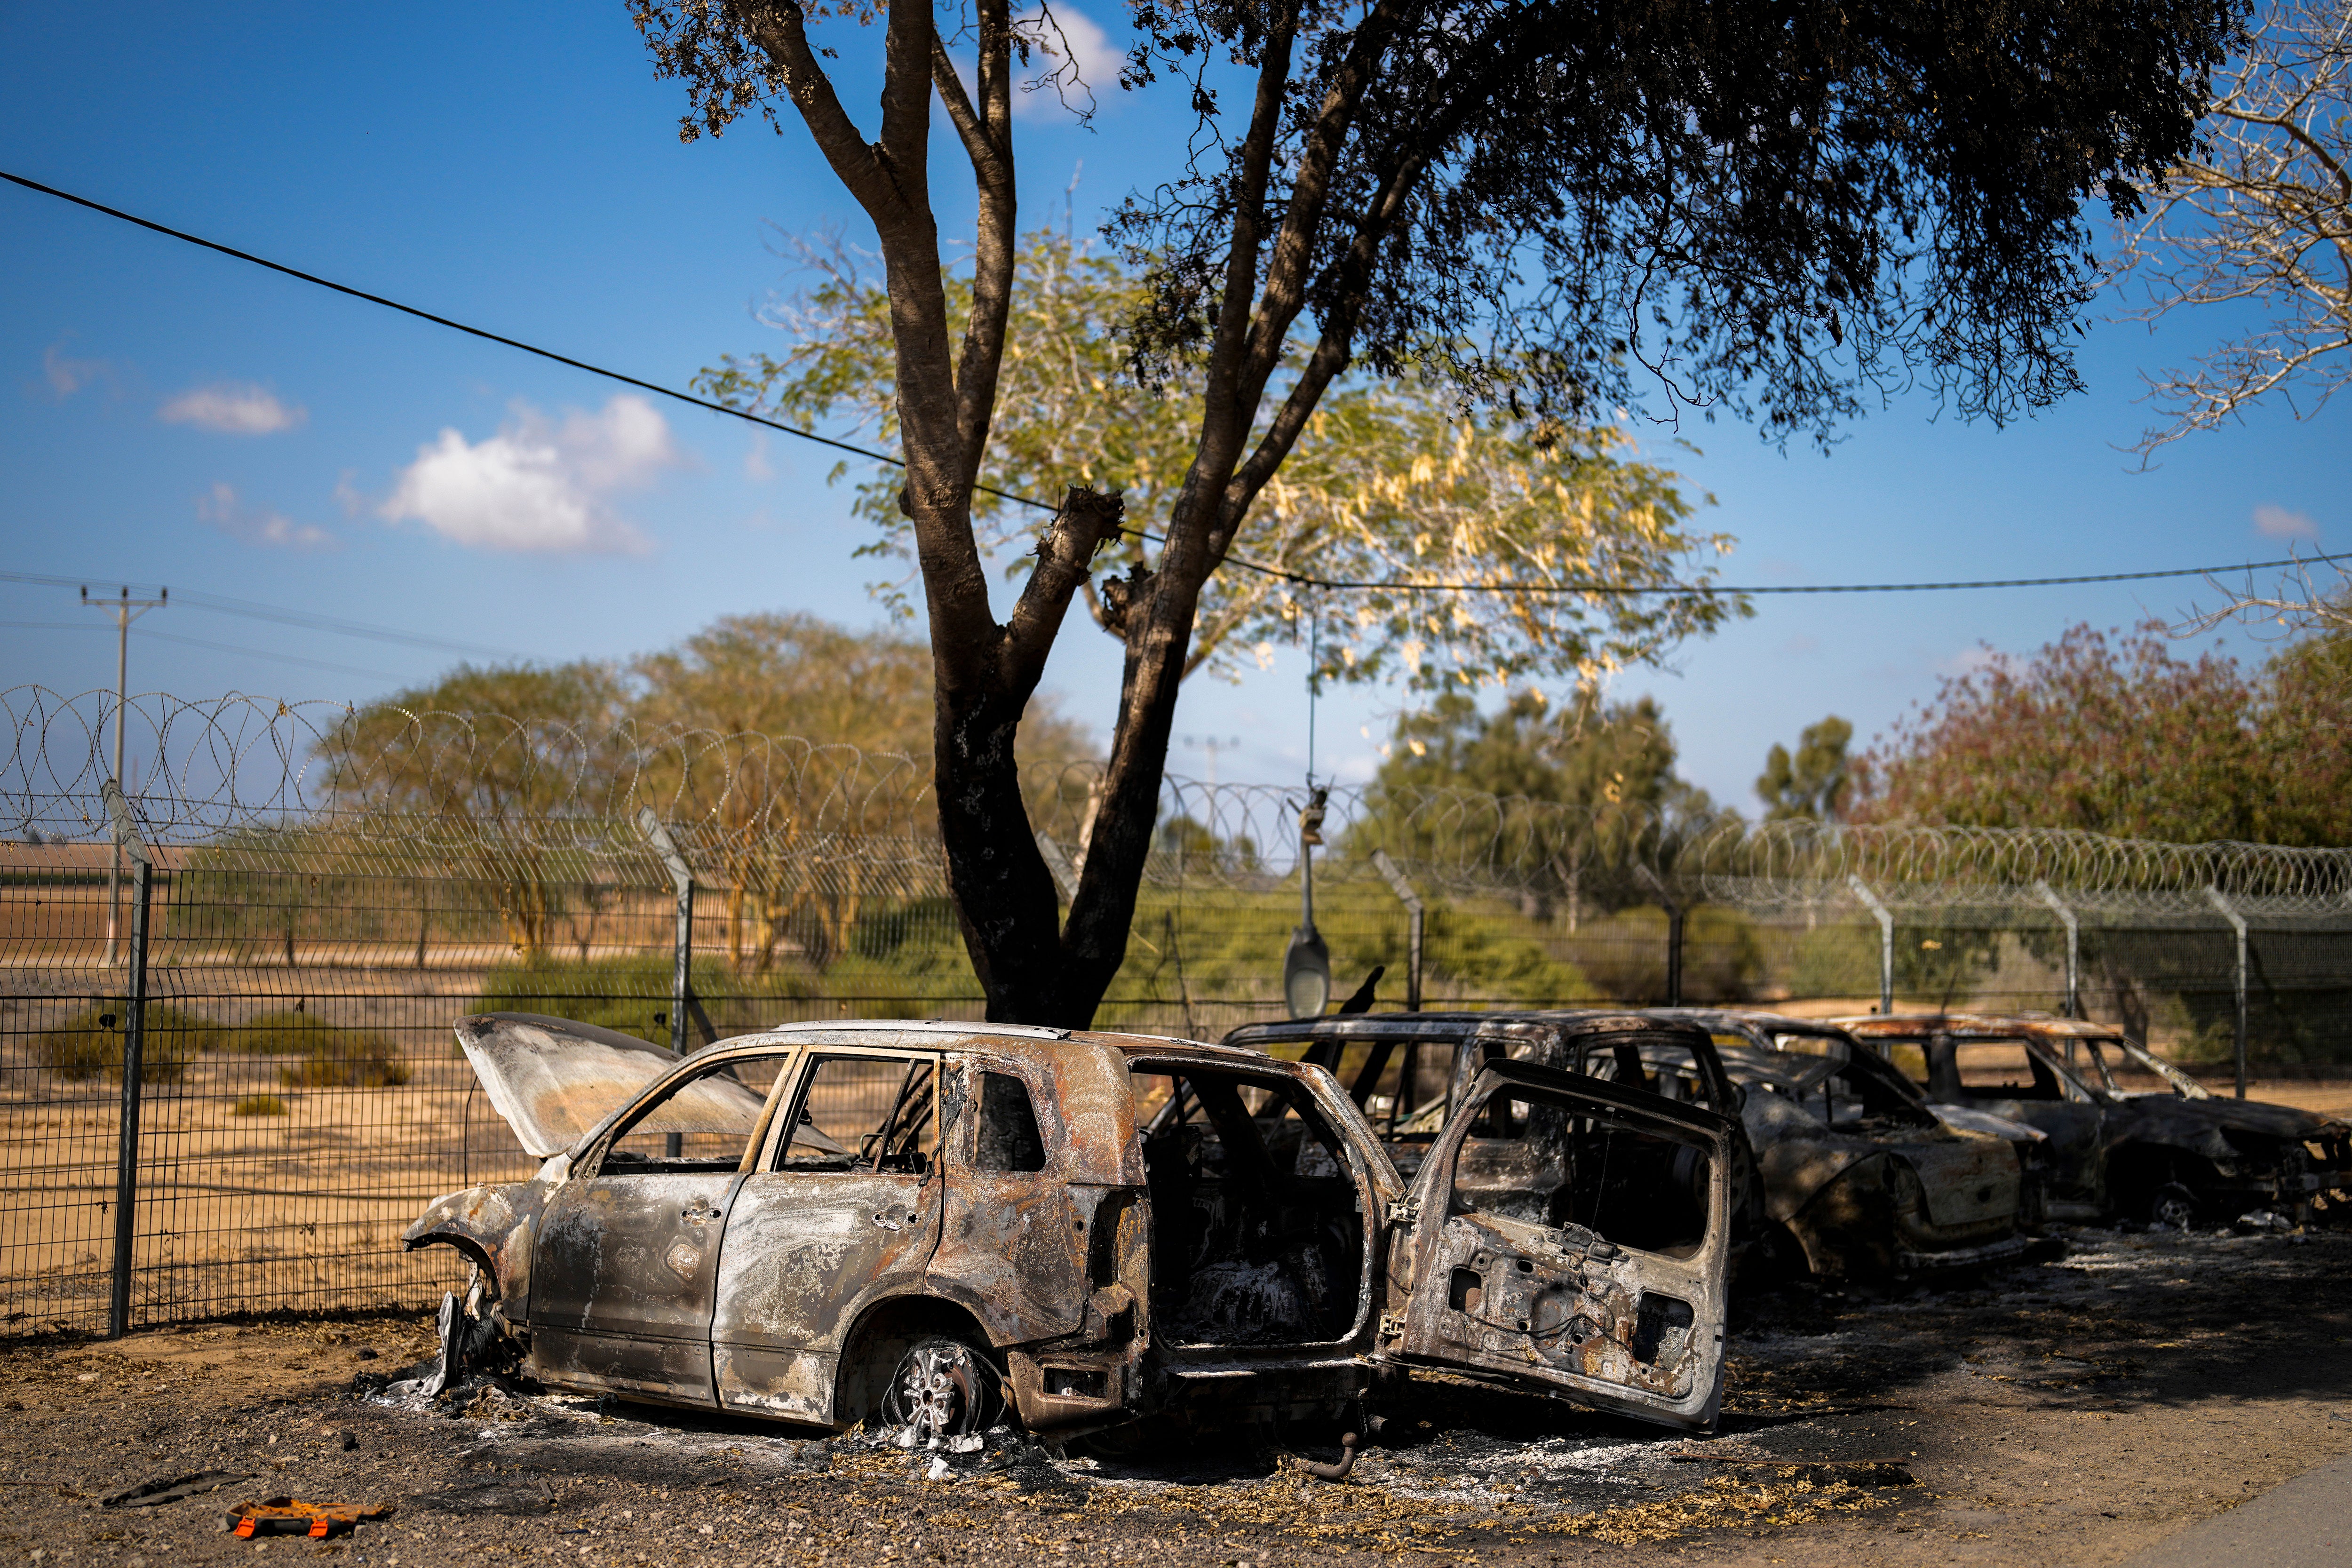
{"points": [[1427, 1025], [1975, 1025], [943, 1034], [1782, 1022]]}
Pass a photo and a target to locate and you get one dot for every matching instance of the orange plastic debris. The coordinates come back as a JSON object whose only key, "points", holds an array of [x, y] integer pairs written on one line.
{"points": [[292, 1516]]}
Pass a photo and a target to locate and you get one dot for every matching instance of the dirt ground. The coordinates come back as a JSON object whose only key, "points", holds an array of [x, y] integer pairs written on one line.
{"points": [[2065, 1413]]}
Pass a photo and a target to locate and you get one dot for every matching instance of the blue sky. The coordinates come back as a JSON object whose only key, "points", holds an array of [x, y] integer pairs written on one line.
{"points": [[179, 418]]}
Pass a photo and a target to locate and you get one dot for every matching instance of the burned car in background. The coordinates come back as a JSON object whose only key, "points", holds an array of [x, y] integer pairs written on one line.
{"points": [[2171, 1155], [1877, 1189], [1867, 1175], [936, 1225]]}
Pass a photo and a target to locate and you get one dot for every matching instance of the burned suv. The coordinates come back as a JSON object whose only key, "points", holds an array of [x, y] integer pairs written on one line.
{"points": [[2172, 1156], [936, 1225], [1840, 1170]]}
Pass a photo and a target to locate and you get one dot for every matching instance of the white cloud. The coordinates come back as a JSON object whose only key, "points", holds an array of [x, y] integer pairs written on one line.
{"points": [[233, 409], [756, 466], [1069, 36], [68, 376], [538, 486], [2277, 522], [221, 508]]}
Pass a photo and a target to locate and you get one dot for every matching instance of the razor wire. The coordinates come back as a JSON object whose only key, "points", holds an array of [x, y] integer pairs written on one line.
{"points": [[251, 777]]}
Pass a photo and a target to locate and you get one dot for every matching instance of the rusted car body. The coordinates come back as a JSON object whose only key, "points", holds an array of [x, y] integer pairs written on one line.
{"points": [[1868, 1176], [2176, 1156], [1887, 1192], [936, 1223]]}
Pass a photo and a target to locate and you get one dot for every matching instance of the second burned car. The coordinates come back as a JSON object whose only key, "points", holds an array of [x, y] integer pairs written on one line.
{"points": [[933, 1225], [1840, 1170]]}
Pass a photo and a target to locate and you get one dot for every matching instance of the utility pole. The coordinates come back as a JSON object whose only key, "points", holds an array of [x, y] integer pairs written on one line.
{"points": [[124, 610]]}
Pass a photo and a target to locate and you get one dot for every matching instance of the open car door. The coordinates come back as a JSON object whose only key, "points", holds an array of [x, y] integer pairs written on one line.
{"points": [[1568, 1237]]}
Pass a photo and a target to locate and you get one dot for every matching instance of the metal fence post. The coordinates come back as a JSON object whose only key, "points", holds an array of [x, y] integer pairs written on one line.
{"points": [[2238, 924], [2073, 948], [1885, 940], [1673, 933], [1395, 877], [134, 1060], [681, 877]]}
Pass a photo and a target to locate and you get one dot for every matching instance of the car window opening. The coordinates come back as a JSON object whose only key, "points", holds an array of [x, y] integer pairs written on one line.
{"points": [[864, 1113], [1257, 1225], [1008, 1139], [704, 1123], [1542, 1163]]}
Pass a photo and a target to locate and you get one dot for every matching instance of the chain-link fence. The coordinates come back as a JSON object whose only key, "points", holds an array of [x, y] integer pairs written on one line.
{"points": [[321, 910]]}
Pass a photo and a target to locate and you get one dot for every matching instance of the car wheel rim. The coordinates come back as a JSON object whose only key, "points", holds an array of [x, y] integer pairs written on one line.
{"points": [[938, 1391]]}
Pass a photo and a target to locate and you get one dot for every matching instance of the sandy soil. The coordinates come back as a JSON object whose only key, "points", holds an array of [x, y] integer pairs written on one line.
{"points": [[2067, 1413]]}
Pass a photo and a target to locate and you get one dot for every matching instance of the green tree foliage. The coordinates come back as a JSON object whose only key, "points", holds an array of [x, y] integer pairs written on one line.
{"points": [[1390, 482], [1612, 764], [488, 744], [2115, 733], [1812, 786]]}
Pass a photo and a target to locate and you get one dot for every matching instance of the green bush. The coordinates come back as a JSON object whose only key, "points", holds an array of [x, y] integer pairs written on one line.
{"points": [[258, 1105], [1624, 955], [1839, 960], [89, 1044], [331, 1056]]}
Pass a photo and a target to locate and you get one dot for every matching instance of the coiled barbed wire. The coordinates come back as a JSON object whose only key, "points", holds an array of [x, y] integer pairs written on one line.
{"points": [[749, 808]]}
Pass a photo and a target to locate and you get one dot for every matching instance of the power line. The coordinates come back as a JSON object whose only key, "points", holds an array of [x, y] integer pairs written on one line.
{"points": [[201, 642], [1307, 580], [1687, 590], [484, 333], [304, 618]]}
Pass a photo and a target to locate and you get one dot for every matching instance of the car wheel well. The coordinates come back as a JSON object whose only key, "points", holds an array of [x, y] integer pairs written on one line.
{"points": [[2137, 1173], [465, 1246], [883, 1332]]}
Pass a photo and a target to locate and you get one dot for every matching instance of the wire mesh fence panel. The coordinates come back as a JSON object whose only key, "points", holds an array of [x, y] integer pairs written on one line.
{"points": [[322, 912]]}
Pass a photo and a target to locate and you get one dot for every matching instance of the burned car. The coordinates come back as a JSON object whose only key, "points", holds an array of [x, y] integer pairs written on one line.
{"points": [[2173, 1155], [1867, 1176], [938, 1225], [1841, 1171]]}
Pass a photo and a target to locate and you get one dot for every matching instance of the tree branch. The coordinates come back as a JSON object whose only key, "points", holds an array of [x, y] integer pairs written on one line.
{"points": [[1088, 519], [781, 34], [988, 144]]}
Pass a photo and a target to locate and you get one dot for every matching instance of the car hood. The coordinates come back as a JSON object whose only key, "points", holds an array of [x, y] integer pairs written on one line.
{"points": [[2233, 1115], [554, 1079]]}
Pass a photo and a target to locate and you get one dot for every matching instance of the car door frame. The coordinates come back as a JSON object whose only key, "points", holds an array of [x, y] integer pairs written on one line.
{"points": [[564, 1355], [1422, 1327], [782, 1353]]}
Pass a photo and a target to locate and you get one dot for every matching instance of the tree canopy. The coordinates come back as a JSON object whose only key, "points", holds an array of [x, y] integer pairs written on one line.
{"points": [[2259, 214], [1610, 763], [1812, 785], [1392, 481], [666, 728], [2117, 733]]}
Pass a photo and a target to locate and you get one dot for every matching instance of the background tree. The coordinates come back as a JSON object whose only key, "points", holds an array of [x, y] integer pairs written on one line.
{"points": [[1553, 208], [1391, 481], [1812, 785], [491, 745], [1585, 789], [2107, 733], [2261, 214]]}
